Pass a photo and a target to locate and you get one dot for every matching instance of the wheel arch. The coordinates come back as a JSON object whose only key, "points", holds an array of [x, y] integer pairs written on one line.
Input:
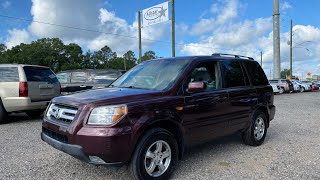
{"points": [[170, 125], [264, 110]]}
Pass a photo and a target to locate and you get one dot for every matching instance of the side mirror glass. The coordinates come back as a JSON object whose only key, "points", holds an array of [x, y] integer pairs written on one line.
{"points": [[194, 87]]}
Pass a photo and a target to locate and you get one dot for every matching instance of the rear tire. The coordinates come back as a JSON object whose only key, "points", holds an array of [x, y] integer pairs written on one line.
{"points": [[34, 113], [257, 131], [3, 114], [150, 163]]}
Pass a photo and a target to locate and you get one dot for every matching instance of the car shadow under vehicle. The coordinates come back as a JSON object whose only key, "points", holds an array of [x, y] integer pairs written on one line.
{"points": [[21, 118]]}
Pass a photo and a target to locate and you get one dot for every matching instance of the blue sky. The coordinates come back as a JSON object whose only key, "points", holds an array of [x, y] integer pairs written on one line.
{"points": [[202, 27]]}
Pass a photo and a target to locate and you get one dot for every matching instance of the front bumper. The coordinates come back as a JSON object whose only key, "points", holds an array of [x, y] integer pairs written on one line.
{"points": [[75, 150]]}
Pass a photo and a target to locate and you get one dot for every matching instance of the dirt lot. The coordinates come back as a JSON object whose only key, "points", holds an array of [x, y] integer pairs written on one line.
{"points": [[291, 150]]}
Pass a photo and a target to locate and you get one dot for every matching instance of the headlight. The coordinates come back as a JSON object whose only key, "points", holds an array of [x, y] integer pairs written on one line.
{"points": [[107, 115]]}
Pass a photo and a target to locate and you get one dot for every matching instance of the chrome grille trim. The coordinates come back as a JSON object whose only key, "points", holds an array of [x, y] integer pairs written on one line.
{"points": [[61, 113]]}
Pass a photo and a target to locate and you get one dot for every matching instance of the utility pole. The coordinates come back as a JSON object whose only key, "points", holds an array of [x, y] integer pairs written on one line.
{"points": [[276, 40], [173, 30], [261, 59], [140, 44], [290, 48]]}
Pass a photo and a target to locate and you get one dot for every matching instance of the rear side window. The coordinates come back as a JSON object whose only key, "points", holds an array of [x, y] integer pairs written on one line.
{"points": [[104, 77], [9, 74], [232, 74], [256, 73], [62, 77], [78, 77], [39, 74]]}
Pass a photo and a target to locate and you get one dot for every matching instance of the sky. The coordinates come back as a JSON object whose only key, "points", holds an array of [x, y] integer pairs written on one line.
{"points": [[202, 27]]}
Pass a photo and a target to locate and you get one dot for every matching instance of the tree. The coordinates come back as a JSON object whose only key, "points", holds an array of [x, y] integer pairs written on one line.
{"points": [[129, 60], [284, 73], [148, 55], [100, 58]]}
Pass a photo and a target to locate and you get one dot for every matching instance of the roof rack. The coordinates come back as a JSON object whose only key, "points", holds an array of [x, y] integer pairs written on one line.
{"points": [[232, 55]]}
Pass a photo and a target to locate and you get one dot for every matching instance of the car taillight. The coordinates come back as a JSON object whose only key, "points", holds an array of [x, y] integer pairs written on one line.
{"points": [[23, 89]]}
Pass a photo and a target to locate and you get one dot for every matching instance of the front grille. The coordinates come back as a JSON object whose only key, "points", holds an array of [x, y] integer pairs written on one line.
{"points": [[61, 113], [54, 135]]}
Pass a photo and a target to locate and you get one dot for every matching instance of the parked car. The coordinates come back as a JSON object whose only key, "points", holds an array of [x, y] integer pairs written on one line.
{"points": [[308, 83], [316, 83], [79, 80], [296, 87], [315, 88], [150, 115], [304, 86], [275, 88], [285, 85], [26, 88]]}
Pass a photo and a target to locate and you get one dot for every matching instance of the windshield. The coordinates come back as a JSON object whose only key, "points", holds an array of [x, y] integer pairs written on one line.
{"points": [[153, 74]]}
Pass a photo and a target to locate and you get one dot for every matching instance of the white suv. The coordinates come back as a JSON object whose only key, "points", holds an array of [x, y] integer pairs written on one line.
{"points": [[26, 88]]}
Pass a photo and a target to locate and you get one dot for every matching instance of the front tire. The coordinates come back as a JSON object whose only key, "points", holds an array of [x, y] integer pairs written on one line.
{"points": [[256, 133], [155, 156], [302, 89]]}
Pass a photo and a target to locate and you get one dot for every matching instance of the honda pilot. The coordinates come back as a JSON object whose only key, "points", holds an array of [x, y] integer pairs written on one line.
{"points": [[152, 113]]}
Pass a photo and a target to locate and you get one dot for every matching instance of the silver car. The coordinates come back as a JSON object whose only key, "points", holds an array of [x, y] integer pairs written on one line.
{"points": [[304, 86], [26, 88]]}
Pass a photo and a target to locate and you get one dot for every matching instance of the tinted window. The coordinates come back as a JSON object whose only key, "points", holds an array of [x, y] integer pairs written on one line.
{"points": [[9, 74], [62, 77], [232, 74], [205, 72], [104, 77], [256, 73], [78, 77], [40, 74]]}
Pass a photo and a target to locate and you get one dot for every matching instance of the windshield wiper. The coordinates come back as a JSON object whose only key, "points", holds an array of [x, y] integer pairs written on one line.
{"points": [[111, 85]]}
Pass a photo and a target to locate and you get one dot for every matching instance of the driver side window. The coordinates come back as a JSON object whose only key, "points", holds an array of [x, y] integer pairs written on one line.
{"points": [[206, 72]]}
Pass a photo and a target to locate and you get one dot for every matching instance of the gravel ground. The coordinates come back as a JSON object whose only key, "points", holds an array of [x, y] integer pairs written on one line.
{"points": [[291, 150]]}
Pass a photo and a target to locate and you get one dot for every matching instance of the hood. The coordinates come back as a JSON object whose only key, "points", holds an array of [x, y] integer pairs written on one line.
{"points": [[107, 95]]}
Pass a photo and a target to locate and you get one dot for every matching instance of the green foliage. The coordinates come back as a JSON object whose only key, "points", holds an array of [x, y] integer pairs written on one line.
{"points": [[284, 73], [52, 52], [148, 55]]}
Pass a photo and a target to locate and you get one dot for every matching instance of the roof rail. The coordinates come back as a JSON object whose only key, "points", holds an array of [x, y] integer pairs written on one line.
{"points": [[232, 55]]}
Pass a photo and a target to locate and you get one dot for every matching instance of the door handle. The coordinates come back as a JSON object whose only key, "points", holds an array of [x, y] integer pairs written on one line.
{"points": [[82, 86]]}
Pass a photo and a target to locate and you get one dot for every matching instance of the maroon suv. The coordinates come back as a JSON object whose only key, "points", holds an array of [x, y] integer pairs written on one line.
{"points": [[148, 116]]}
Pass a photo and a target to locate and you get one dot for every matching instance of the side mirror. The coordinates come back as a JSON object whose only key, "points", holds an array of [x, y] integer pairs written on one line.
{"points": [[194, 87]]}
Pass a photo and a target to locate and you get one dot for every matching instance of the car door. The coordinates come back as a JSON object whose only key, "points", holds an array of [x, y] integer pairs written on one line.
{"points": [[204, 112], [242, 96], [43, 84]]}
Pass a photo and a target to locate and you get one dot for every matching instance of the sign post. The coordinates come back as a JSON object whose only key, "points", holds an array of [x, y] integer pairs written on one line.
{"points": [[173, 31], [140, 43], [154, 15]]}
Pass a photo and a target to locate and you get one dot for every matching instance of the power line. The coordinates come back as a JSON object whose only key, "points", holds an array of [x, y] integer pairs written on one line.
{"points": [[114, 34]]}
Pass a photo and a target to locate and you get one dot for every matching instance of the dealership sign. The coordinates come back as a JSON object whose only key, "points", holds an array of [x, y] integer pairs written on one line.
{"points": [[155, 14]]}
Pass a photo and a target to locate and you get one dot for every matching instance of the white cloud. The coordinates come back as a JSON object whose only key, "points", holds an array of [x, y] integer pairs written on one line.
{"points": [[17, 36], [250, 37], [285, 5], [6, 4], [83, 15], [109, 22], [228, 13], [88, 15]]}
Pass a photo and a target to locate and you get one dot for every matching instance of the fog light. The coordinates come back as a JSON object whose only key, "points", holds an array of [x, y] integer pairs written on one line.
{"points": [[96, 160]]}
